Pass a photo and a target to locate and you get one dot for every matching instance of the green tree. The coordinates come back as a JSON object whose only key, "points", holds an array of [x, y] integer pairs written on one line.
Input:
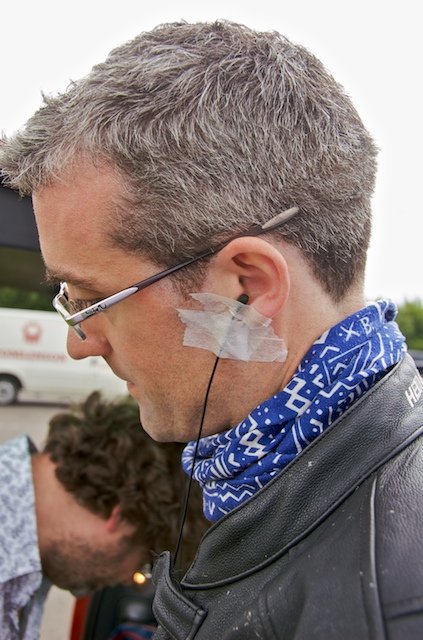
{"points": [[410, 321], [20, 299]]}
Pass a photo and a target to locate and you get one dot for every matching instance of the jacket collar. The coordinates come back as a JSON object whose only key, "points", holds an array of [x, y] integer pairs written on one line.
{"points": [[374, 429]]}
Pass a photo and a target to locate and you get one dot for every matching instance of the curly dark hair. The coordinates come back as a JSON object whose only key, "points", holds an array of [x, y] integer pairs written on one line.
{"points": [[105, 458]]}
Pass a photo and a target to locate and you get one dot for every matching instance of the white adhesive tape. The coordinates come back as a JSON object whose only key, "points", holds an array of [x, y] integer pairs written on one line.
{"points": [[230, 329]]}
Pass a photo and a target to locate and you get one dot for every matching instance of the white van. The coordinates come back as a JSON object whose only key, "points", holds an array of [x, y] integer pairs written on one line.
{"points": [[34, 364]]}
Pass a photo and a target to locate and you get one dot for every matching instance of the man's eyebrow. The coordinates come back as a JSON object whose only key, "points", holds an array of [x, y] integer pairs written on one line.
{"points": [[53, 277]]}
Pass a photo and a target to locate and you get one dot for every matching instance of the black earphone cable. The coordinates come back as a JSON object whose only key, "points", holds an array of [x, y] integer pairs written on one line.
{"points": [[243, 300], [184, 509]]}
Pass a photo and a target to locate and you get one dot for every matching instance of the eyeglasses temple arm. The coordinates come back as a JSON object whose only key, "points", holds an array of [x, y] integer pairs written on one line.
{"points": [[256, 230], [280, 219]]}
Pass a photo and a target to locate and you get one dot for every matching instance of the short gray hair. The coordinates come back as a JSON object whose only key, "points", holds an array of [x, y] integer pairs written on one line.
{"points": [[213, 127]]}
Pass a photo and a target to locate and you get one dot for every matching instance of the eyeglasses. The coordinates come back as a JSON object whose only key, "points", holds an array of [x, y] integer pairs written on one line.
{"points": [[68, 308]]}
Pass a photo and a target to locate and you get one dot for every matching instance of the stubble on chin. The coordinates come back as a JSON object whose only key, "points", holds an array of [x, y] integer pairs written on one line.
{"points": [[78, 567]]}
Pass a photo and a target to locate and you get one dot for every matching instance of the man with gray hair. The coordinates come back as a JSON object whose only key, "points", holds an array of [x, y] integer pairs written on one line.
{"points": [[203, 200]]}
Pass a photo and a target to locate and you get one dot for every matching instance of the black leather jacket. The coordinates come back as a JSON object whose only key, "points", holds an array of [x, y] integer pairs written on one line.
{"points": [[331, 549]]}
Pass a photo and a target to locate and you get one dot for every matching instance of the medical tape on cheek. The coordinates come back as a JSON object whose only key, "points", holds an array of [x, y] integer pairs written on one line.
{"points": [[230, 329]]}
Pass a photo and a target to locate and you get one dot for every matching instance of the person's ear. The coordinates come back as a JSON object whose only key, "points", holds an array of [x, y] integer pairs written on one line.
{"points": [[114, 519], [254, 267]]}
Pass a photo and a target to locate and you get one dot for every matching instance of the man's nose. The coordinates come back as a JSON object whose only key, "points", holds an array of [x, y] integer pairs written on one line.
{"points": [[94, 344]]}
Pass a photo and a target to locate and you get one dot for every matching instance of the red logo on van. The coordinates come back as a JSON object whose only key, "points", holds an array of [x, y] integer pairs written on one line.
{"points": [[32, 332]]}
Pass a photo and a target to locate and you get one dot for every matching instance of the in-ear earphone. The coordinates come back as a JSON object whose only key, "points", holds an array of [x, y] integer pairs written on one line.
{"points": [[243, 298]]}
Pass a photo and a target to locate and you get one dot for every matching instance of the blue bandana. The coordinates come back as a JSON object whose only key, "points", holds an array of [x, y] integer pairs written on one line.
{"points": [[340, 366]]}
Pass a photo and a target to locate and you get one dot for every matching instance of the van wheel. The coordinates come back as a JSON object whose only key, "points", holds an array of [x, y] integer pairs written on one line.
{"points": [[9, 388]]}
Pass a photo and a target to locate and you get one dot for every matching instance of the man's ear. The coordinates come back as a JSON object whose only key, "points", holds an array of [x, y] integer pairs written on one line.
{"points": [[255, 267], [114, 519]]}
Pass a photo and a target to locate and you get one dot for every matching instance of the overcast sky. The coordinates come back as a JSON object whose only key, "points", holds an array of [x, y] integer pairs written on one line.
{"points": [[372, 47]]}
